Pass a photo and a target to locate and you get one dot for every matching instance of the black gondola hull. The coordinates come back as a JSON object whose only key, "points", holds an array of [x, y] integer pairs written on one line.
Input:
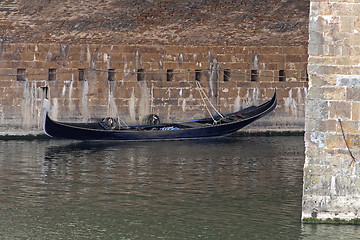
{"points": [[68, 131]]}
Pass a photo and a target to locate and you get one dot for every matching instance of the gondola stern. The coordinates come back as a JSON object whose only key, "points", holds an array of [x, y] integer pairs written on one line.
{"points": [[46, 122], [46, 110]]}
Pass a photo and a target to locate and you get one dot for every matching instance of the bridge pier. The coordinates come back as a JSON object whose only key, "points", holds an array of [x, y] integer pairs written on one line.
{"points": [[331, 190]]}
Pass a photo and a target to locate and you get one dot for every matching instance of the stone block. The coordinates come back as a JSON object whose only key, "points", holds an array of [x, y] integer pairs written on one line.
{"points": [[74, 49], [353, 141], [234, 67], [160, 93], [6, 64], [268, 76], [169, 84], [354, 40], [344, 9], [216, 50], [295, 58], [315, 139], [174, 50], [333, 50], [127, 49], [271, 66], [227, 84], [321, 125], [340, 110], [183, 93], [239, 58], [315, 24], [5, 84], [14, 56], [283, 93], [174, 65], [201, 59], [249, 58], [324, 69], [178, 77], [229, 50], [151, 49], [287, 85], [273, 58], [322, 80], [65, 76], [128, 57], [241, 50], [188, 57], [348, 126], [150, 57], [270, 50], [315, 60], [197, 49], [224, 58], [355, 113], [347, 23], [352, 94], [7, 71], [315, 49], [156, 76], [334, 93], [321, 106], [350, 81]]}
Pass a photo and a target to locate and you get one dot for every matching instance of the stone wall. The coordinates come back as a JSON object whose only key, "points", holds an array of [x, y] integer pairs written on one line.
{"points": [[331, 177], [85, 82], [159, 22]]}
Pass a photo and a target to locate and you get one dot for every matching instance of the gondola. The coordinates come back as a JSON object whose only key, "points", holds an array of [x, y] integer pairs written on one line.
{"points": [[216, 126]]}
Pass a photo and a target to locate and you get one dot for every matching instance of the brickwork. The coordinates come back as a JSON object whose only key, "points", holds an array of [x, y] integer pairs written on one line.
{"points": [[331, 179], [85, 82]]}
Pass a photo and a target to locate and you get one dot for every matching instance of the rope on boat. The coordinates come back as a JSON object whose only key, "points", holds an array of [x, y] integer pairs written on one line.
{"points": [[122, 122], [347, 146], [202, 94]]}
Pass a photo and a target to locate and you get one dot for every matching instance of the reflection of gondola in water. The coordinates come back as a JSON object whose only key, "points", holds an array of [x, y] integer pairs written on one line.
{"points": [[109, 129]]}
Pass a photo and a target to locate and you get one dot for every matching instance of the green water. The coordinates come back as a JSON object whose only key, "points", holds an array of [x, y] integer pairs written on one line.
{"points": [[233, 188]]}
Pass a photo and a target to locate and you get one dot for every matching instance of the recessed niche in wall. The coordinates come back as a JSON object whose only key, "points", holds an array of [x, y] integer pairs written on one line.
{"points": [[254, 75], [111, 74], [170, 75], [52, 74], [307, 76], [141, 74], [226, 75], [21, 74], [198, 75], [282, 77], [82, 74]]}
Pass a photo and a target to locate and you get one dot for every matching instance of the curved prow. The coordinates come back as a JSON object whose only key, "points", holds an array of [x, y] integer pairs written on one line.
{"points": [[46, 106], [270, 105], [46, 109]]}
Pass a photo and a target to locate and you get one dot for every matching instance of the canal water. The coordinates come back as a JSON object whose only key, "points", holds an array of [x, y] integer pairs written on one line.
{"points": [[232, 188]]}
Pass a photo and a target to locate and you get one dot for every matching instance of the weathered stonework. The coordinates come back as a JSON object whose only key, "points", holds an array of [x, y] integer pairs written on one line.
{"points": [[152, 41], [331, 178], [159, 22], [164, 85]]}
